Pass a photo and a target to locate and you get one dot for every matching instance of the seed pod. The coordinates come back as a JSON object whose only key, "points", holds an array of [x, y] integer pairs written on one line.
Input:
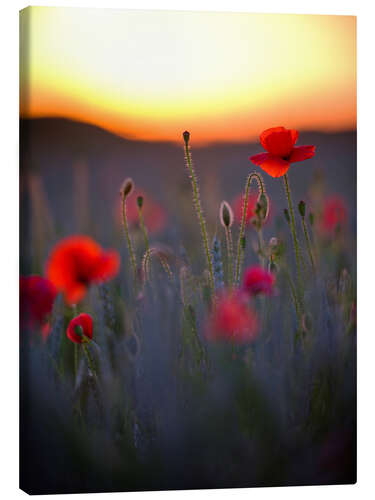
{"points": [[140, 201], [186, 136]]}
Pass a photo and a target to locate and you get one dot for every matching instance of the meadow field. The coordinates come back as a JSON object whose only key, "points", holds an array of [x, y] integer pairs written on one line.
{"points": [[184, 325]]}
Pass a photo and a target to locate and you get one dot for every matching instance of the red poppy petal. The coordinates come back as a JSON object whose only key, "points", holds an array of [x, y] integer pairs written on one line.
{"points": [[260, 158], [273, 165], [294, 136], [300, 153], [75, 293], [86, 322], [266, 133], [107, 265], [279, 141]]}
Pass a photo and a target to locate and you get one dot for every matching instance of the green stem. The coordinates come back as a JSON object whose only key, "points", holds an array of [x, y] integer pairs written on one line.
{"points": [[200, 216], [229, 241], [75, 346], [89, 360], [258, 178], [261, 247], [293, 228], [143, 228], [308, 244], [130, 246]]}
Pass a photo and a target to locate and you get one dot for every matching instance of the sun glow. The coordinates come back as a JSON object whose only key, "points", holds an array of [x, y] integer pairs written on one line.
{"points": [[225, 76]]}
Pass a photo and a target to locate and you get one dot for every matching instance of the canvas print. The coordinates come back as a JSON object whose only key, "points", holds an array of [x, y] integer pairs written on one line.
{"points": [[187, 250]]}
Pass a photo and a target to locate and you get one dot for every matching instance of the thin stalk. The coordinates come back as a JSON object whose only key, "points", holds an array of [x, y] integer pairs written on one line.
{"points": [[198, 208], [294, 295], [293, 228], [75, 347], [143, 228], [261, 247], [258, 178], [308, 244], [89, 360], [128, 240], [229, 242]]}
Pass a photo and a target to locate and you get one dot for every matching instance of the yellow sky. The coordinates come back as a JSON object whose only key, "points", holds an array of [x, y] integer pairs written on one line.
{"points": [[223, 76]]}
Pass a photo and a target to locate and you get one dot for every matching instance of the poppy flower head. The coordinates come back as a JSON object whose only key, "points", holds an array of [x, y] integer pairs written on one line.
{"points": [[78, 261], [279, 143], [80, 329], [37, 296], [257, 281], [334, 216], [232, 320], [154, 215]]}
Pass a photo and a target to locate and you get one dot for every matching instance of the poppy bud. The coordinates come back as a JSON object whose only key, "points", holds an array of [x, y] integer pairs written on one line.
{"points": [[287, 216], [226, 214], [262, 207], [127, 187], [140, 201], [243, 242], [186, 136], [311, 218], [302, 208]]}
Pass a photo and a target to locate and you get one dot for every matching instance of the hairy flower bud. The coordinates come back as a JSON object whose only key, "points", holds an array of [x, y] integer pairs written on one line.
{"points": [[262, 207], [186, 136], [140, 201], [302, 208], [226, 214], [127, 187]]}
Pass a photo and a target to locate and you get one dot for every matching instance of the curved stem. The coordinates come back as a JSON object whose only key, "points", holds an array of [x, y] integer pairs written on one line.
{"points": [[229, 241], [293, 227], [198, 208], [259, 180], [308, 244]]}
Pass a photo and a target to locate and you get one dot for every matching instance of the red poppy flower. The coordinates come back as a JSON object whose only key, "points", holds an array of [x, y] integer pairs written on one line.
{"points": [[257, 280], [78, 261], [251, 205], [232, 320], [154, 215], [37, 296], [79, 328], [335, 214], [280, 144]]}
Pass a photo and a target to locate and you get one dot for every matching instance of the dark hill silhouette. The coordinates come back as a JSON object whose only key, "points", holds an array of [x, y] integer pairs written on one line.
{"points": [[54, 146]]}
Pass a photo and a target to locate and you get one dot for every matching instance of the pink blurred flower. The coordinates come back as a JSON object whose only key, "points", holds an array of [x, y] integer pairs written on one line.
{"points": [[334, 215], [154, 214], [232, 320], [37, 295], [257, 280], [238, 204]]}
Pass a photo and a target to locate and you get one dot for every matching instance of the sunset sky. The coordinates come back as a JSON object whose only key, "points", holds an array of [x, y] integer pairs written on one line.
{"points": [[223, 76]]}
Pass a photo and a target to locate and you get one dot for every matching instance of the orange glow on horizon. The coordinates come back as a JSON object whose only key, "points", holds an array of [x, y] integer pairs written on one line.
{"points": [[141, 75]]}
